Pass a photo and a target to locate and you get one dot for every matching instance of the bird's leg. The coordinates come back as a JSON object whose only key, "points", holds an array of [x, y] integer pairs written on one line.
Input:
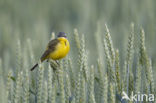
{"points": [[57, 62], [53, 67]]}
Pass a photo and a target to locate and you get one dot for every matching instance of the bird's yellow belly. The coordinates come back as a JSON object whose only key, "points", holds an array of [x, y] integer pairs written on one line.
{"points": [[60, 52]]}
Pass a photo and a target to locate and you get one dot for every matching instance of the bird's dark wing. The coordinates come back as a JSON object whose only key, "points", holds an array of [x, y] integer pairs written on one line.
{"points": [[50, 48], [52, 44]]}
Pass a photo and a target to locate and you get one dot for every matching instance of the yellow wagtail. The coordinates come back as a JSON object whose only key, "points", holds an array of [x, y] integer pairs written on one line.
{"points": [[56, 49]]}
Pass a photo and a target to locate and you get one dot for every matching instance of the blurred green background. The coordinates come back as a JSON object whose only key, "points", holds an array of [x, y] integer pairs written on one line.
{"points": [[32, 21], [36, 19]]}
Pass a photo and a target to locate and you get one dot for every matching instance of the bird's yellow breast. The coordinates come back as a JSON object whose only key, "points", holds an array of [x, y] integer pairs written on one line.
{"points": [[61, 49]]}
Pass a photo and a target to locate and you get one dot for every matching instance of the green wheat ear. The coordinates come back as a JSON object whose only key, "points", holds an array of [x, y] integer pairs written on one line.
{"points": [[152, 84], [77, 39], [112, 93], [53, 95], [117, 71], [40, 82], [50, 83], [110, 45], [8, 90], [101, 81], [105, 88], [77, 88], [128, 61], [61, 84], [91, 86], [71, 74], [110, 71], [26, 86], [19, 57], [45, 93], [130, 46], [138, 78], [103, 84], [83, 78], [52, 35], [17, 92], [144, 60], [82, 62], [82, 90], [68, 88], [142, 47], [110, 56], [82, 54]]}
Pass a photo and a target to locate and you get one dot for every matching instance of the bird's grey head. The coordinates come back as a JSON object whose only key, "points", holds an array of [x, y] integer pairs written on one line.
{"points": [[62, 34]]}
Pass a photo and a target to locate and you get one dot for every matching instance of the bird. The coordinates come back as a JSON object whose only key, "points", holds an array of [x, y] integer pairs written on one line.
{"points": [[56, 49]]}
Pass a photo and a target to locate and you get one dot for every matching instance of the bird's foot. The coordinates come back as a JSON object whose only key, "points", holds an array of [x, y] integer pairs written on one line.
{"points": [[57, 63]]}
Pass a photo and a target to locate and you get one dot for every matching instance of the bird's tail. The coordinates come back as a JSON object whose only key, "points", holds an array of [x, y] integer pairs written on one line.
{"points": [[34, 67], [41, 60]]}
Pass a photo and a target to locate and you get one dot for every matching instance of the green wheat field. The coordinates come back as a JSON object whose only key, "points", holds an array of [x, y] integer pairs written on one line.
{"points": [[112, 51]]}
